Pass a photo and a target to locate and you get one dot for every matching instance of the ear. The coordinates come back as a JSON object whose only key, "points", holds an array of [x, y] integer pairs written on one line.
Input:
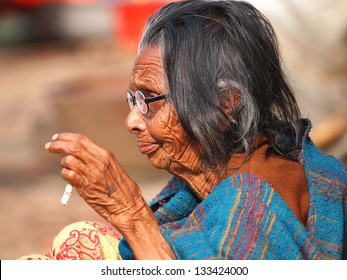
{"points": [[231, 101]]}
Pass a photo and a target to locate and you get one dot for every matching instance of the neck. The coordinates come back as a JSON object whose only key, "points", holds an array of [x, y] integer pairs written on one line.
{"points": [[200, 181], [203, 181]]}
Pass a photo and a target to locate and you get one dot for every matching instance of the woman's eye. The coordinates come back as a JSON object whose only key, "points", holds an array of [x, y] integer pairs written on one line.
{"points": [[153, 94], [148, 93]]}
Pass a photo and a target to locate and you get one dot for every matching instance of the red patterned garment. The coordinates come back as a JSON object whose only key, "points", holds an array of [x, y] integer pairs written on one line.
{"points": [[83, 241]]}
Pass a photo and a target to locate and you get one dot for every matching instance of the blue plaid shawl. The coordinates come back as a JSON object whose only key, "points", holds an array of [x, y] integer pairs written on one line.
{"points": [[244, 218]]}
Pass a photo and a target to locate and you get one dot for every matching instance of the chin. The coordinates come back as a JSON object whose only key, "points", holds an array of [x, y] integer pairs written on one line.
{"points": [[159, 160]]}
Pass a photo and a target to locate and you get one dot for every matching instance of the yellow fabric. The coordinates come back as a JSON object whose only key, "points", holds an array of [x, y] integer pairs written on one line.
{"points": [[83, 241]]}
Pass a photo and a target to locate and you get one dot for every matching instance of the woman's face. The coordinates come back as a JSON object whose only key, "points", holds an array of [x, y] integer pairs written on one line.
{"points": [[159, 133]]}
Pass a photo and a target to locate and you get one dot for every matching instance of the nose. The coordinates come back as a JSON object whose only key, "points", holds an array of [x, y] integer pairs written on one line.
{"points": [[134, 121]]}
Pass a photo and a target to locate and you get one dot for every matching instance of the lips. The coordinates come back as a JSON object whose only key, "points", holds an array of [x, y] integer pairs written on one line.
{"points": [[146, 147]]}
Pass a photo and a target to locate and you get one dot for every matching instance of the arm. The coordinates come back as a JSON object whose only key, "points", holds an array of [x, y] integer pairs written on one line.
{"points": [[146, 240], [106, 187]]}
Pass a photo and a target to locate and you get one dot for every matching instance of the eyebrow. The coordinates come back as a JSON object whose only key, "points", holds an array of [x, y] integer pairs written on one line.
{"points": [[146, 85]]}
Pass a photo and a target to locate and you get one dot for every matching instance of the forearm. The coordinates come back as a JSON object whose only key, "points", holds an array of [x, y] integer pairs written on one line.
{"points": [[145, 238]]}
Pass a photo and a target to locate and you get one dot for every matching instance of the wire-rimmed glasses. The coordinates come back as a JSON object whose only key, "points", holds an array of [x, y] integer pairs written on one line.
{"points": [[141, 101]]}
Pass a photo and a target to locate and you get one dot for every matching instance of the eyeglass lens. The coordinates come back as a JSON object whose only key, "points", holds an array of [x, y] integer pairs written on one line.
{"points": [[130, 100], [140, 101], [139, 98]]}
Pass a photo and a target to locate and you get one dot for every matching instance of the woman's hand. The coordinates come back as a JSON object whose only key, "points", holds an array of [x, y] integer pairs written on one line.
{"points": [[99, 179], [106, 187]]}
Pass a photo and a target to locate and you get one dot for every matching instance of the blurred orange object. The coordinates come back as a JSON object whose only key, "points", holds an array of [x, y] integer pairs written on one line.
{"points": [[130, 19], [31, 3]]}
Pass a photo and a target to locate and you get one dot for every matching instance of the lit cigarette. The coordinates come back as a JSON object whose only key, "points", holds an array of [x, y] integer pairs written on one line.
{"points": [[67, 193]]}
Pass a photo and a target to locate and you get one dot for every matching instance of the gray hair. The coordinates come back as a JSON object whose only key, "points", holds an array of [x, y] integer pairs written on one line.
{"points": [[214, 49]]}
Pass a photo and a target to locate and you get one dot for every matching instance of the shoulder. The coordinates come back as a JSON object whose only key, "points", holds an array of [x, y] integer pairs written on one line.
{"points": [[318, 163], [173, 186], [241, 190]]}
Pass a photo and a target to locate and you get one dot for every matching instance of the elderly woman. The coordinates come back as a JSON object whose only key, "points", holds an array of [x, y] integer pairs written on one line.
{"points": [[210, 104]]}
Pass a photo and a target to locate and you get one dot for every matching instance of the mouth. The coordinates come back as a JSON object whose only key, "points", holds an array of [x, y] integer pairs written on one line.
{"points": [[146, 147]]}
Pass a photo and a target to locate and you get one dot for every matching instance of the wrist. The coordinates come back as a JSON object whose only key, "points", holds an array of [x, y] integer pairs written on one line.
{"points": [[145, 238]]}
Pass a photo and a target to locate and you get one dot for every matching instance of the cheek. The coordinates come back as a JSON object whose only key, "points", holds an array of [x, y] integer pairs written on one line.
{"points": [[166, 127]]}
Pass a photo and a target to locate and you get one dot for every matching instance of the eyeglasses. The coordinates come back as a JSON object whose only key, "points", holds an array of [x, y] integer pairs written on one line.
{"points": [[141, 101]]}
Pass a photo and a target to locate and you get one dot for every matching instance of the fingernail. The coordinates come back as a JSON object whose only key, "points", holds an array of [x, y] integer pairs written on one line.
{"points": [[55, 137], [71, 173], [48, 145]]}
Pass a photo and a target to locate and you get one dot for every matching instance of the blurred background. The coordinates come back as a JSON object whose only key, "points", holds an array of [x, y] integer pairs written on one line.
{"points": [[64, 66]]}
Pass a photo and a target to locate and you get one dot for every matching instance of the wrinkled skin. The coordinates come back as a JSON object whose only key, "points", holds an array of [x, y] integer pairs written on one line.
{"points": [[98, 178], [103, 183], [161, 131], [161, 126]]}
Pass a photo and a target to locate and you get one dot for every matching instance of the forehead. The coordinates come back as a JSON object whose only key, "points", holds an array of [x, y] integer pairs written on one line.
{"points": [[148, 71]]}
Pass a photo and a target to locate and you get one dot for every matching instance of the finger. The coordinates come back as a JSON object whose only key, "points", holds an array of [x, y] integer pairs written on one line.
{"points": [[73, 163], [89, 172], [74, 178], [69, 136], [83, 141], [76, 144], [70, 148]]}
